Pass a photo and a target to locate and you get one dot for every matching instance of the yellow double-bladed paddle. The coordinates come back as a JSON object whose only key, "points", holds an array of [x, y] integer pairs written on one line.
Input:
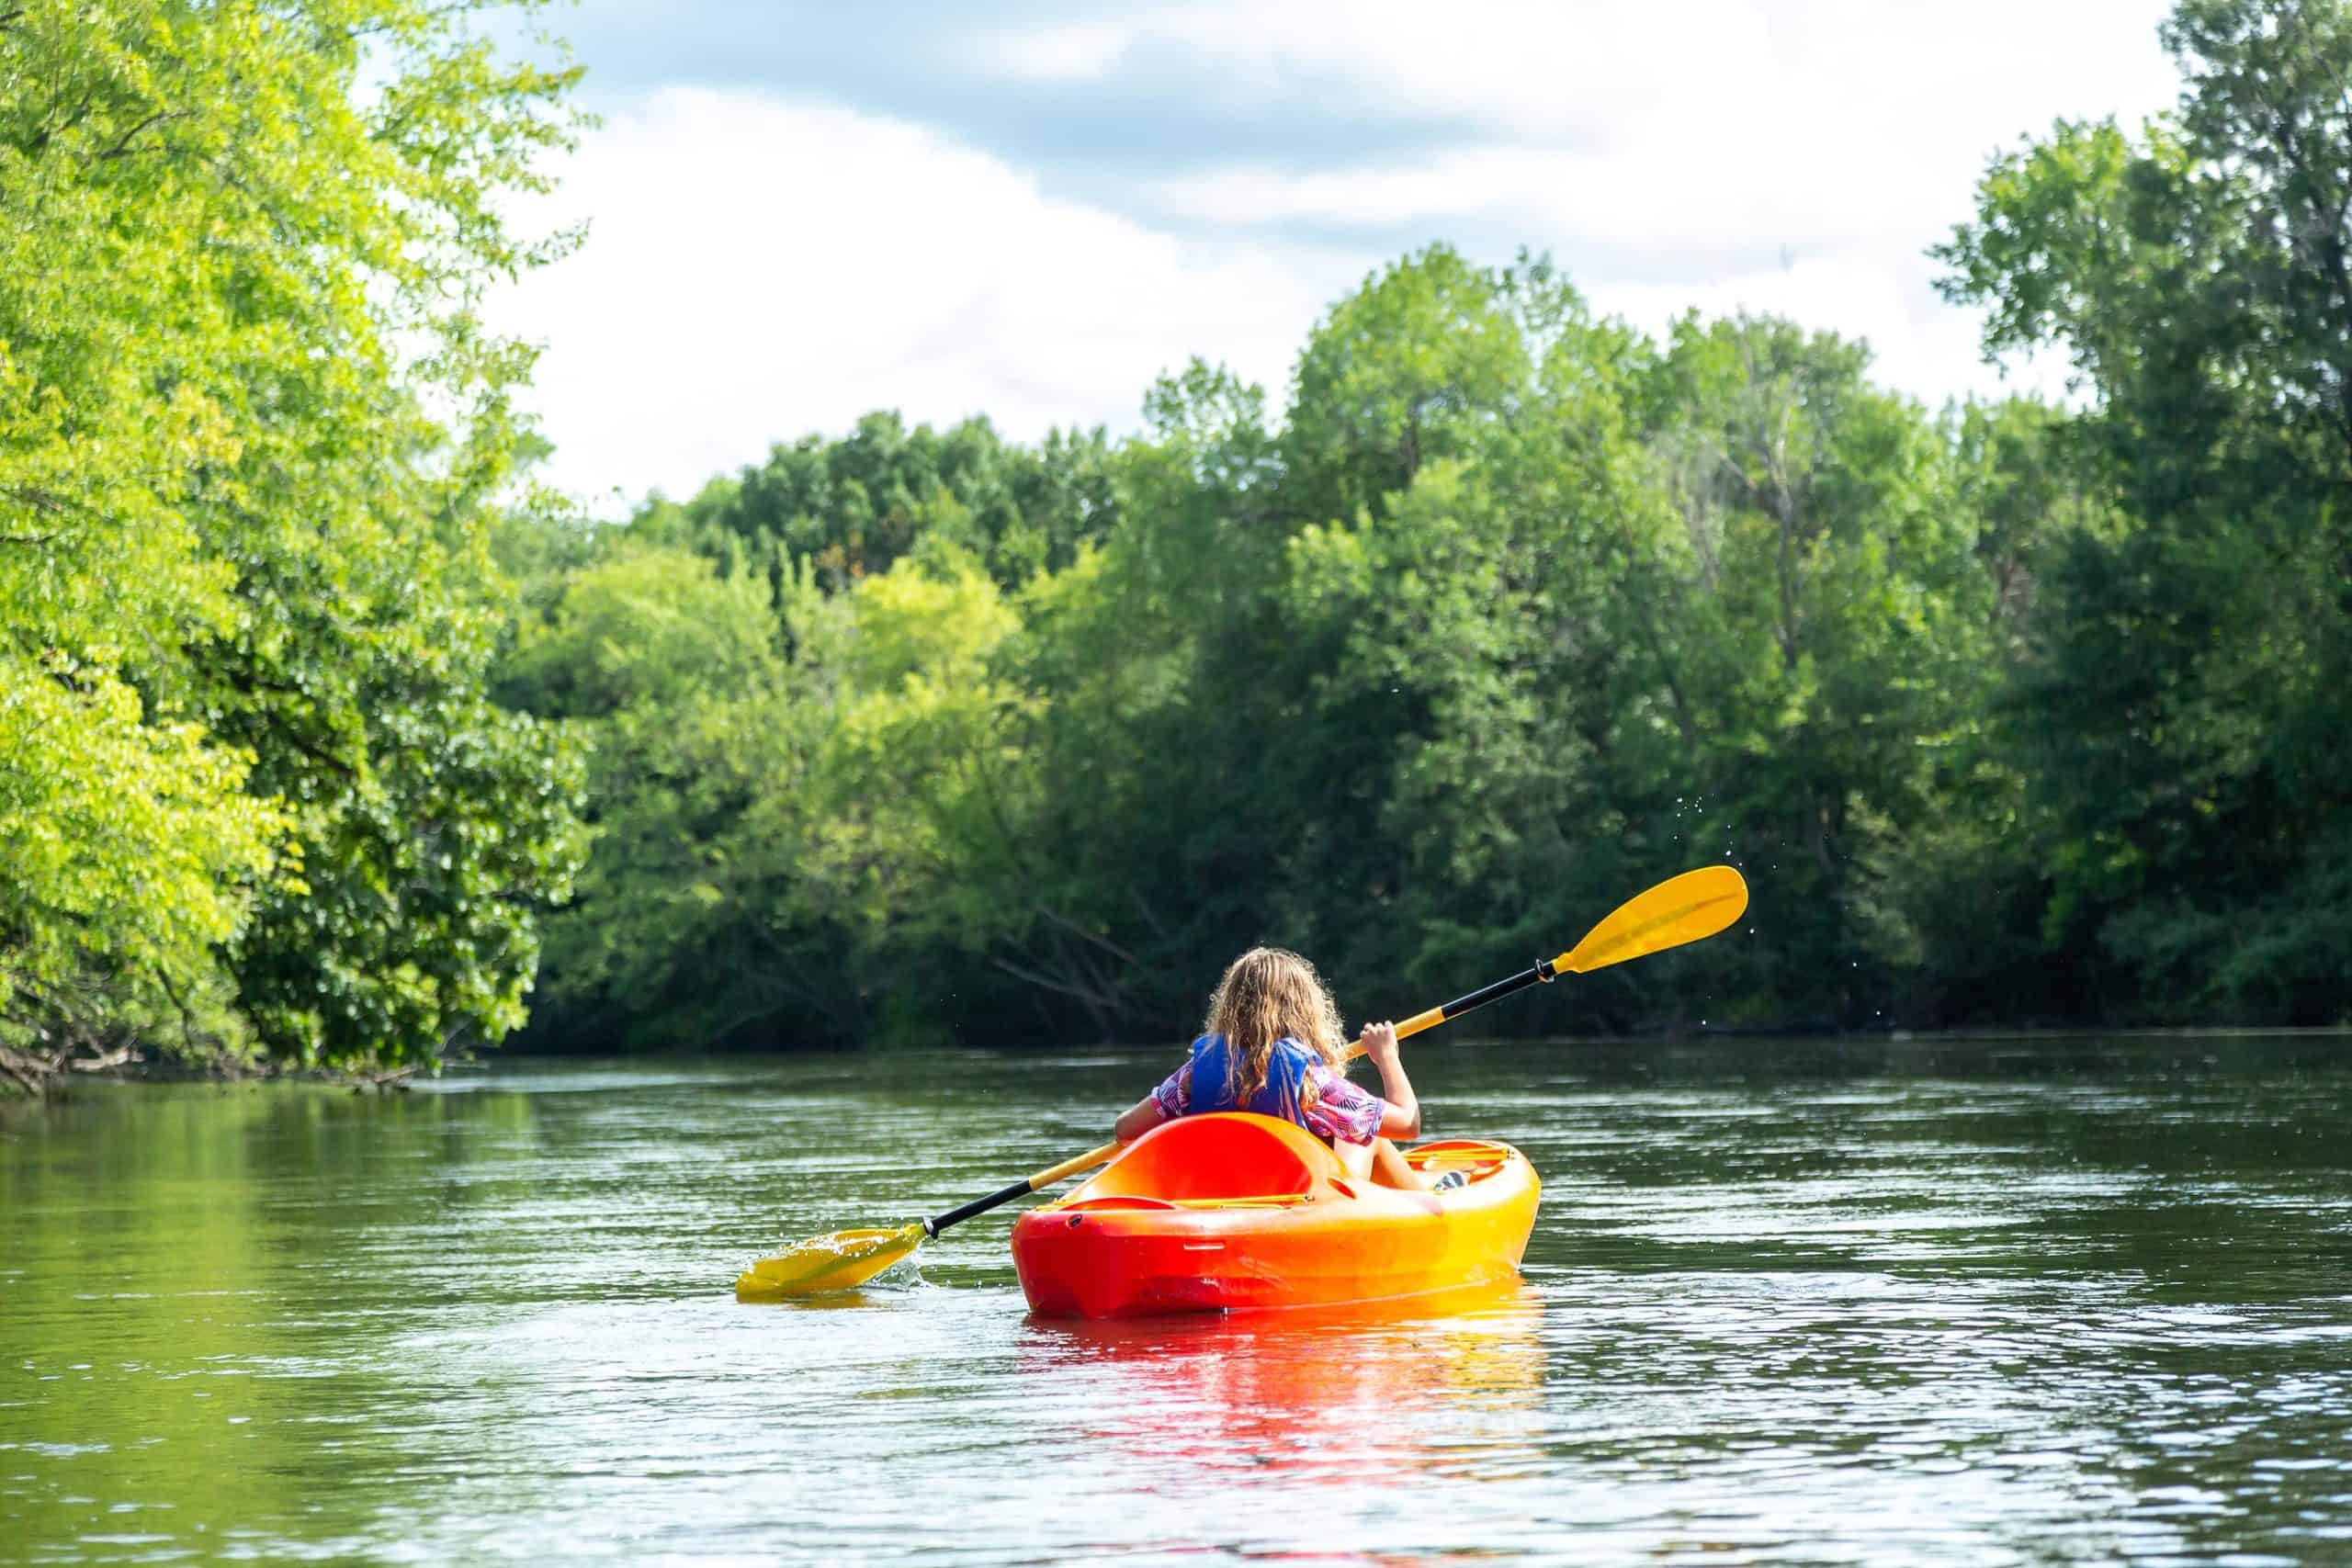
{"points": [[1681, 909]]}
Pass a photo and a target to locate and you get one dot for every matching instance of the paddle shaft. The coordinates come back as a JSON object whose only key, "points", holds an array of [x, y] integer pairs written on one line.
{"points": [[1003, 1195], [1681, 909], [1540, 974]]}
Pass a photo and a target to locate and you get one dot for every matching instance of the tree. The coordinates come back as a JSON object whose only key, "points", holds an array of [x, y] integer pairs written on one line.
{"points": [[2183, 706], [854, 506], [674, 675], [245, 249], [1401, 373], [1835, 640]]}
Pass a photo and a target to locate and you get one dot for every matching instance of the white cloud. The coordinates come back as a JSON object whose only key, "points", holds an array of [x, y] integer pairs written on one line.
{"points": [[1070, 52], [1544, 71], [762, 266], [758, 270], [1712, 119], [1839, 138]]}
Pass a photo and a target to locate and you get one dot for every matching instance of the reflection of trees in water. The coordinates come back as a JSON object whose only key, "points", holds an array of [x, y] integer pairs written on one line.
{"points": [[184, 1271], [1383, 1390]]}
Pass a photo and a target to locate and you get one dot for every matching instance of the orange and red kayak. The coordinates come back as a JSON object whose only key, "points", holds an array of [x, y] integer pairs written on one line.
{"points": [[1231, 1211]]}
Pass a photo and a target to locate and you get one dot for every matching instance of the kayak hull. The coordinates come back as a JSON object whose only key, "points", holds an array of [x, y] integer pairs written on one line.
{"points": [[1232, 1211]]}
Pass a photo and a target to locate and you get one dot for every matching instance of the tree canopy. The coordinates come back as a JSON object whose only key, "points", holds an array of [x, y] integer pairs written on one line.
{"points": [[2182, 705], [251, 432], [2013, 711]]}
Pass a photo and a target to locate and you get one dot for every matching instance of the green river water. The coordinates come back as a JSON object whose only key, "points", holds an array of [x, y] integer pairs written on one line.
{"points": [[2081, 1300]]}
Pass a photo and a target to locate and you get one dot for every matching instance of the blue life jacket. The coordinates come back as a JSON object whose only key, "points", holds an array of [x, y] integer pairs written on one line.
{"points": [[1282, 1095]]}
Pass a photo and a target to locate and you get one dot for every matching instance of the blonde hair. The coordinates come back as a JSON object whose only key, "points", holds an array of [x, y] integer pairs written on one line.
{"points": [[1268, 993]]}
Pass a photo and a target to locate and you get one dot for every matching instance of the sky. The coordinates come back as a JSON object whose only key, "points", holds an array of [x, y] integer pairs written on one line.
{"points": [[798, 214]]}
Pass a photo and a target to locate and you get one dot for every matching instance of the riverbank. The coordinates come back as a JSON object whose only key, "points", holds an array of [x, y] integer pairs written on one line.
{"points": [[35, 1076], [24, 1079]]}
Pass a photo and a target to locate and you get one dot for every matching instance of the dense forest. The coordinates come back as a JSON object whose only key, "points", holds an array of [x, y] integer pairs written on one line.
{"points": [[325, 739]]}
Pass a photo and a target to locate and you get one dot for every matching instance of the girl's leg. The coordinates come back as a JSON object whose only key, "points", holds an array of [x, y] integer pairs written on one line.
{"points": [[1388, 1168], [1354, 1159]]}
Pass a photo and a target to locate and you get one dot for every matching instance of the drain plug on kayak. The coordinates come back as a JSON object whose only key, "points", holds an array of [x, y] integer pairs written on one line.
{"points": [[1075, 1220]]}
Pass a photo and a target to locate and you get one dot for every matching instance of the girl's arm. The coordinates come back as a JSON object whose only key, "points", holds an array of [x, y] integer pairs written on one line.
{"points": [[1172, 1097], [1401, 1118], [1138, 1119]]}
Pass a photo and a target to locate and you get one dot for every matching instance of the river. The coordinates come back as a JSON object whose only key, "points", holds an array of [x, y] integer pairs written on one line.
{"points": [[2047, 1301]]}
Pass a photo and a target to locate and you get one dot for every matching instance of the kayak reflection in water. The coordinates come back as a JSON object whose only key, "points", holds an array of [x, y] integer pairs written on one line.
{"points": [[1273, 1043]]}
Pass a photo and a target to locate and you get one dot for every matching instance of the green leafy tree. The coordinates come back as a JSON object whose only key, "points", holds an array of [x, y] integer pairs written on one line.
{"points": [[2182, 708], [1468, 687], [686, 923], [1837, 634], [855, 505], [245, 248], [805, 847], [1972, 883], [1401, 373]]}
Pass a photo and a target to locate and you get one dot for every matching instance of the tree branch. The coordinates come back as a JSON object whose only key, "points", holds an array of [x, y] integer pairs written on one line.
{"points": [[25, 1070], [123, 146], [57, 505], [1095, 1002], [1104, 943], [1151, 917]]}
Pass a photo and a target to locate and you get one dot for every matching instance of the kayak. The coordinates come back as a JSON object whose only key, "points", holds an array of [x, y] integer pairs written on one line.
{"points": [[1232, 1211]]}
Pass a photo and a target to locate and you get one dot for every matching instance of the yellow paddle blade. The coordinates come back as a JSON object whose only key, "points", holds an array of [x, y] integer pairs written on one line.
{"points": [[841, 1261], [1681, 908]]}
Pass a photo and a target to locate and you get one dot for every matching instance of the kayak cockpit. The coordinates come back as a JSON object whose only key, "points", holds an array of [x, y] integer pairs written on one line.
{"points": [[1224, 1158]]}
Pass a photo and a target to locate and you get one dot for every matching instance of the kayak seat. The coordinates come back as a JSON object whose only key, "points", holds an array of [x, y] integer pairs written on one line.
{"points": [[1471, 1159], [1227, 1155]]}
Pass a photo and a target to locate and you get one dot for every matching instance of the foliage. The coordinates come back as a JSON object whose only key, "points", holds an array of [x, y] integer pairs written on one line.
{"points": [[2011, 712], [853, 507], [2182, 707], [1629, 607], [241, 563]]}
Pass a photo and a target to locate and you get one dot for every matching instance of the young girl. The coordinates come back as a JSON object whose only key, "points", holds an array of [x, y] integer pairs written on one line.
{"points": [[1271, 1044]]}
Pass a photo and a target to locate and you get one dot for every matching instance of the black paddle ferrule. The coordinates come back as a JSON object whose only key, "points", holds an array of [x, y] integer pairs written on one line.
{"points": [[1497, 991], [977, 1206]]}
